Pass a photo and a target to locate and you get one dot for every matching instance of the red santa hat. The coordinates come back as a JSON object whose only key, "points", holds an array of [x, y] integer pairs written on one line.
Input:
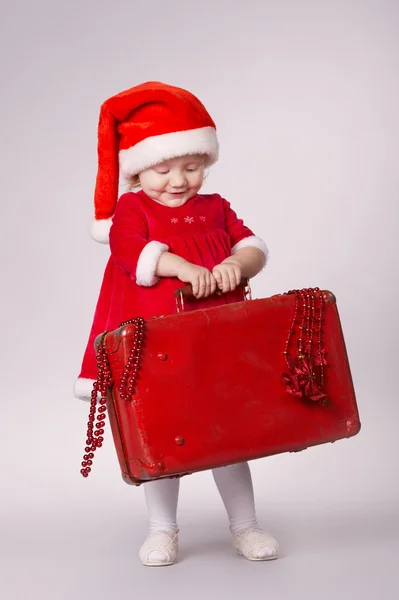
{"points": [[139, 128]]}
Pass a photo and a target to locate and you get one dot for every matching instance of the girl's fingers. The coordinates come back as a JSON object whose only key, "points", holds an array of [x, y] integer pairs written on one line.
{"points": [[208, 284], [201, 288], [223, 277], [238, 276], [235, 277], [195, 286], [225, 281], [218, 277], [232, 279], [213, 284], [202, 285]]}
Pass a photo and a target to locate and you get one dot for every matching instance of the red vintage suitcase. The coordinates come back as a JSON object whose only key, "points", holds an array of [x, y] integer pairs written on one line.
{"points": [[207, 388]]}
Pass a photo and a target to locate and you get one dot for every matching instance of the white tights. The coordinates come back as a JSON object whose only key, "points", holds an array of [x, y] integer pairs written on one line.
{"points": [[235, 488]]}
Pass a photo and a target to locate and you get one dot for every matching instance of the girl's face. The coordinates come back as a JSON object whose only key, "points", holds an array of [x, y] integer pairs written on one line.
{"points": [[174, 181]]}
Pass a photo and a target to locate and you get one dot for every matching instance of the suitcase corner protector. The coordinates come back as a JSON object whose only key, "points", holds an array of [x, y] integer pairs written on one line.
{"points": [[329, 297], [353, 426]]}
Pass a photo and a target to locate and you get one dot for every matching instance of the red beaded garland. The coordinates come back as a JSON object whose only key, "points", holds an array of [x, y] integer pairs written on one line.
{"points": [[130, 372], [103, 382], [308, 309]]}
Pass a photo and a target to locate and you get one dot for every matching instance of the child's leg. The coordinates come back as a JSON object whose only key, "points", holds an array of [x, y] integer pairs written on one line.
{"points": [[161, 545], [235, 487], [162, 497]]}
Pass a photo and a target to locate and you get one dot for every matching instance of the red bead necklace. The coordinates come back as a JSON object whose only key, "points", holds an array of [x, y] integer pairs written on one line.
{"points": [[103, 382], [306, 365]]}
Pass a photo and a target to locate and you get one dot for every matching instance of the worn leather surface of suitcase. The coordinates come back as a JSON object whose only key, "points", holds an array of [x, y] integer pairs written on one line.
{"points": [[214, 386]]}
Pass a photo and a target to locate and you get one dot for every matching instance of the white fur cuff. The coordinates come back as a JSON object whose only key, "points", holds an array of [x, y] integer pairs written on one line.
{"points": [[254, 242], [147, 263]]}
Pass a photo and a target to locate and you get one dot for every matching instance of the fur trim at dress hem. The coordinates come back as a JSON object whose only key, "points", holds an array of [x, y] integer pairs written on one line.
{"points": [[82, 388]]}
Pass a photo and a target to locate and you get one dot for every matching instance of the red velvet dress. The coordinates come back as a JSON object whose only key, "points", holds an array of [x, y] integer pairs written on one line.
{"points": [[204, 231]]}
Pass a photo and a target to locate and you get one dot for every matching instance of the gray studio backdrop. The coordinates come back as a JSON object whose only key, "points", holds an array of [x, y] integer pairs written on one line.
{"points": [[305, 98]]}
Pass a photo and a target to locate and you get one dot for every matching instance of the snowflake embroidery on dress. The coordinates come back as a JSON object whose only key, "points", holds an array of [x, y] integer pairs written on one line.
{"points": [[174, 220], [189, 220], [202, 218]]}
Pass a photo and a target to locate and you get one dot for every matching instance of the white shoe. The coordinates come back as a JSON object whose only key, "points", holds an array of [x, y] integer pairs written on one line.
{"points": [[255, 544], [160, 548]]}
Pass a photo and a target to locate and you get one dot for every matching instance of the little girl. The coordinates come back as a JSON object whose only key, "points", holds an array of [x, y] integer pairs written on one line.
{"points": [[165, 235]]}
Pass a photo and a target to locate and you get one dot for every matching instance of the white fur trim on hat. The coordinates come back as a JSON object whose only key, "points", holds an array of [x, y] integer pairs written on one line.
{"points": [[252, 241], [158, 148], [82, 388], [147, 263], [99, 230]]}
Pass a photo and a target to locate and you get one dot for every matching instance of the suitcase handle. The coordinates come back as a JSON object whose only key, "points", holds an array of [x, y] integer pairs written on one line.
{"points": [[187, 292]]}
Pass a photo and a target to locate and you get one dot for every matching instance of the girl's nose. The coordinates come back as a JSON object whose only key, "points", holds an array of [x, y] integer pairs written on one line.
{"points": [[177, 179]]}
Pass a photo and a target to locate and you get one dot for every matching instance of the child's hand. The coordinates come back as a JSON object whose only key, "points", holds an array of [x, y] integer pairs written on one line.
{"points": [[228, 275], [201, 279]]}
